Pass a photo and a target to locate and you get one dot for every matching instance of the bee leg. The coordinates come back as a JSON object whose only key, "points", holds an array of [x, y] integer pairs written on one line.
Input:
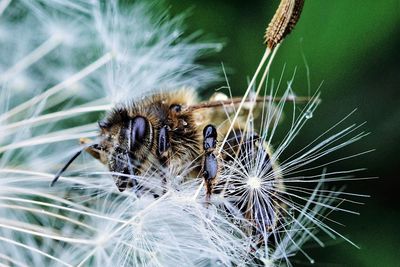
{"points": [[210, 162], [93, 150], [163, 146]]}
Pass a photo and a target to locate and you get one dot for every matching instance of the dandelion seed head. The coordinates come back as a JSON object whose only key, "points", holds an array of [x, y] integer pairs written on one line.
{"points": [[254, 182]]}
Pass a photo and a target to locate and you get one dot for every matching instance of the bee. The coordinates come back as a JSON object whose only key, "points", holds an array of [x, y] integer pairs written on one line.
{"points": [[174, 130]]}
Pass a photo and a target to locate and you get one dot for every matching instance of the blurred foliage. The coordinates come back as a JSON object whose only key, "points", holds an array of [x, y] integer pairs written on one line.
{"points": [[352, 47]]}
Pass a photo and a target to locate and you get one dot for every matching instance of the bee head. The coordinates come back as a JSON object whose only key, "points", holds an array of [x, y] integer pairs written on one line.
{"points": [[127, 142]]}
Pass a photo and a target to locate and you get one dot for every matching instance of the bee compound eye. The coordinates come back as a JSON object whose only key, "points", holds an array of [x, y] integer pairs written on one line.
{"points": [[138, 131], [163, 140], [176, 108], [103, 124]]}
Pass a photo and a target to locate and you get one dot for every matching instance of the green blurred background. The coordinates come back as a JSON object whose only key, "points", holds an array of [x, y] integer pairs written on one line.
{"points": [[353, 48]]}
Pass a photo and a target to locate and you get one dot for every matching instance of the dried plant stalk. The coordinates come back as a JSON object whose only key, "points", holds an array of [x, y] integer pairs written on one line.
{"points": [[283, 22]]}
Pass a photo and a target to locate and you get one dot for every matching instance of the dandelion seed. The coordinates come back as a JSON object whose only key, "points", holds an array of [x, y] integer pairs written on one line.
{"points": [[254, 182]]}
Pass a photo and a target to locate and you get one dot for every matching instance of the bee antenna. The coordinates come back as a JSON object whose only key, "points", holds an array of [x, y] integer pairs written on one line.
{"points": [[61, 171]]}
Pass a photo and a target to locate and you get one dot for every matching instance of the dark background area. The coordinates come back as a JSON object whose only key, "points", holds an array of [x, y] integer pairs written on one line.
{"points": [[353, 48]]}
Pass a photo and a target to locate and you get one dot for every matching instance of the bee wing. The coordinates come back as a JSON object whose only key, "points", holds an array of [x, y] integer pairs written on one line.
{"points": [[219, 107], [220, 100]]}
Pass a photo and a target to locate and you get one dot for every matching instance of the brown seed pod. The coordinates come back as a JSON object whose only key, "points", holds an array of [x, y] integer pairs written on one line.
{"points": [[283, 22]]}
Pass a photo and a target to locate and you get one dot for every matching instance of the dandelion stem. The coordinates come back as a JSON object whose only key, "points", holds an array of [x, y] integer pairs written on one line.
{"points": [[260, 85], [248, 90]]}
